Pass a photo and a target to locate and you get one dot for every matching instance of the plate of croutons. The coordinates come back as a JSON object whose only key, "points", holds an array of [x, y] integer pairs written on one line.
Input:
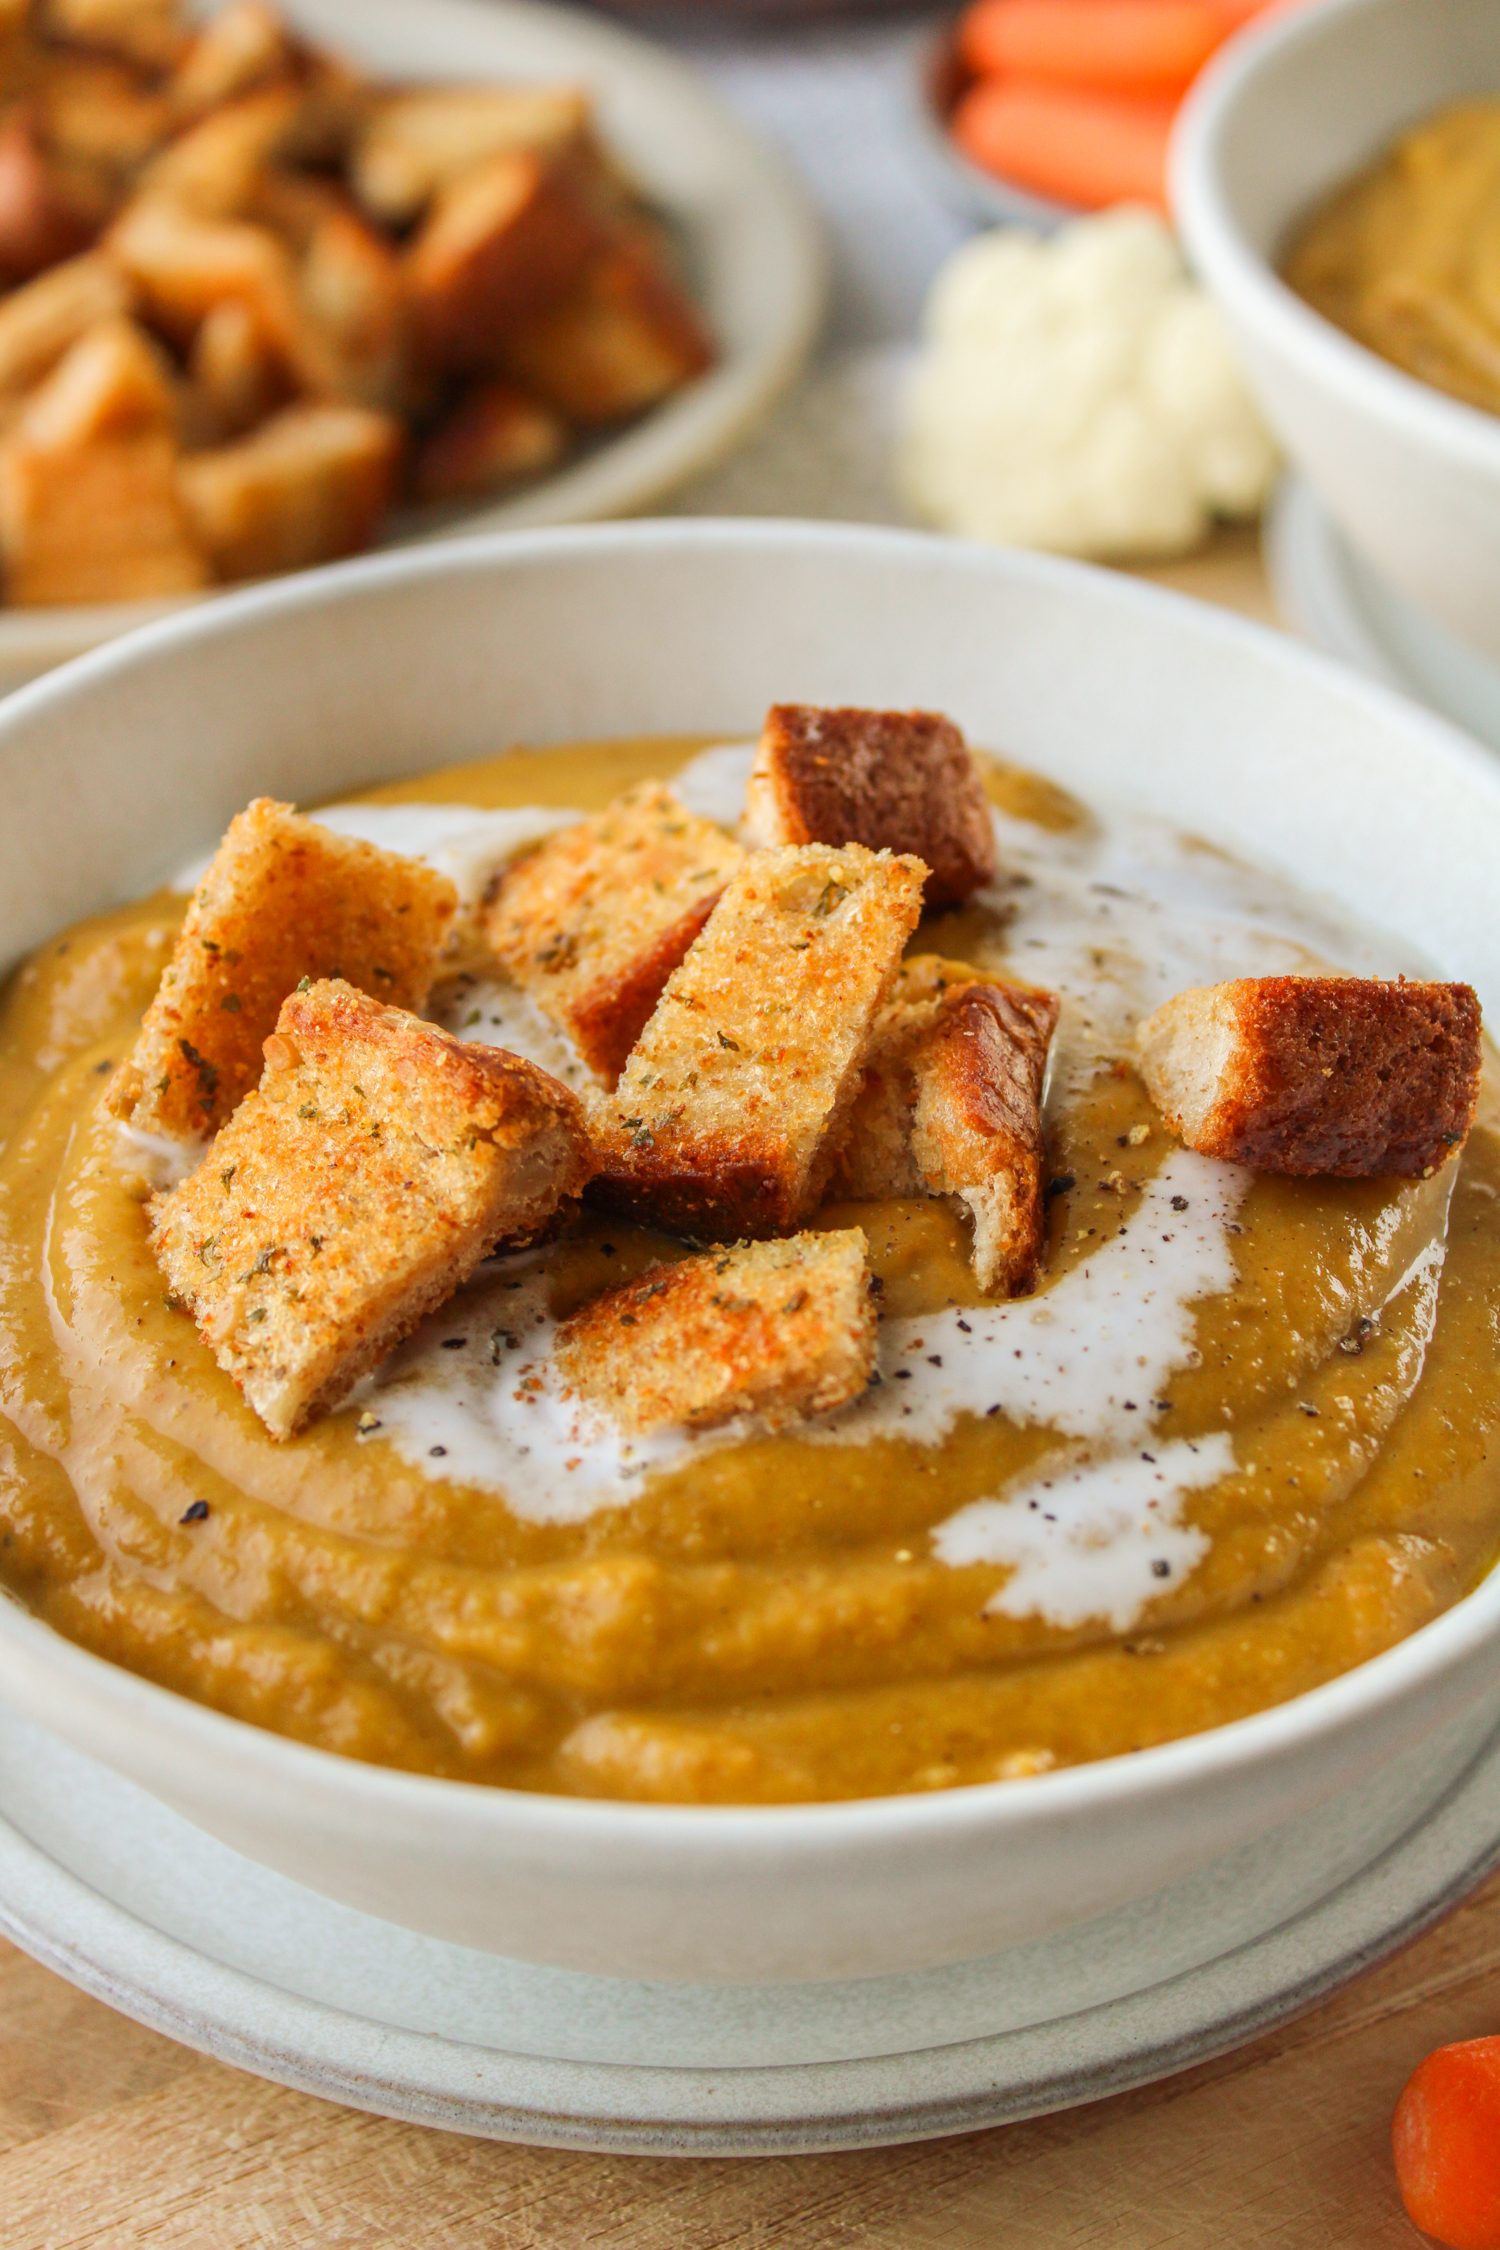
{"points": [[282, 282]]}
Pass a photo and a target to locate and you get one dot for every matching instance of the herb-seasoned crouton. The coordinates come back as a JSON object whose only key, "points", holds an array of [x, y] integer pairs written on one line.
{"points": [[728, 1115], [284, 899], [1343, 1075], [593, 923], [212, 168], [378, 1162], [493, 436], [899, 781], [235, 375], [183, 265], [618, 341], [501, 242], [417, 143], [778, 1329], [951, 1105], [354, 296], [46, 318], [241, 47], [89, 508], [309, 485], [143, 31]]}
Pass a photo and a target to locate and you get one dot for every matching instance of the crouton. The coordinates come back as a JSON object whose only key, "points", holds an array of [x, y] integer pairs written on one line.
{"points": [[354, 296], [593, 923], [40, 220], [184, 265], [415, 144], [98, 116], [1342, 1075], [620, 340], [142, 31], [730, 1109], [495, 435], [212, 169], [284, 899], [900, 781], [310, 484], [236, 377], [350, 1195], [502, 242], [951, 1106], [776, 1329], [39, 322], [241, 47], [89, 509]]}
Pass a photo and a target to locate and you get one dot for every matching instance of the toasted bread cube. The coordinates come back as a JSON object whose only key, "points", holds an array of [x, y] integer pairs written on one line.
{"points": [[212, 169], [183, 265], [499, 244], [283, 899], [236, 376], [97, 115], [951, 1105], [729, 1112], [622, 339], [89, 510], [309, 485], [493, 437], [900, 781], [41, 221], [593, 923], [354, 294], [142, 31], [240, 48], [354, 1191], [418, 143], [776, 1329], [39, 322], [1349, 1076]]}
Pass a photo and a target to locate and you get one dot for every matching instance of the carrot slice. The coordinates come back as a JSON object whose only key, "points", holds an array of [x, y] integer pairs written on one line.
{"points": [[1146, 47], [1080, 148], [1446, 2139]]}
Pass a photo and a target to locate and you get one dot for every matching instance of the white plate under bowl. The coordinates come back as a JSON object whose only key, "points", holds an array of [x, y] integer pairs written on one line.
{"points": [[752, 245], [1327, 590], [120, 1896]]}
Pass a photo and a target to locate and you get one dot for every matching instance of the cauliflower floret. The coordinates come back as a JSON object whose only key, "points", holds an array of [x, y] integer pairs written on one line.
{"points": [[1078, 393]]}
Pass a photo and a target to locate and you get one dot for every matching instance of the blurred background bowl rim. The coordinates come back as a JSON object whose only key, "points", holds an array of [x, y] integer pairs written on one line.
{"points": [[1244, 278]]}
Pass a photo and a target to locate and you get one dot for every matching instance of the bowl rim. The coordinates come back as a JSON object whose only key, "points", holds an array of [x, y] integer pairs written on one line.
{"points": [[1248, 285], [1447, 1644]]}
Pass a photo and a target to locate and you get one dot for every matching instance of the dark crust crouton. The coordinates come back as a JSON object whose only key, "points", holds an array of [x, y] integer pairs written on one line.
{"points": [[779, 1329], [594, 922], [728, 1113], [900, 781], [378, 1162], [500, 242], [622, 338], [284, 899], [1348, 1076], [951, 1105]]}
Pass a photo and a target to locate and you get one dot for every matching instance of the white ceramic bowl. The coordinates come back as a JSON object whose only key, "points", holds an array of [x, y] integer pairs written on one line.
{"points": [[116, 769], [1286, 112], [750, 240]]}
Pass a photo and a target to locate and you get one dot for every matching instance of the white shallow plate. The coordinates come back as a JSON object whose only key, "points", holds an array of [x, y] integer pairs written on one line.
{"points": [[752, 245], [104, 1885], [1329, 592]]}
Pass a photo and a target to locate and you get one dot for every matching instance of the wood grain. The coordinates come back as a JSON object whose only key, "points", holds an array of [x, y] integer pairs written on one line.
{"points": [[111, 2136]]}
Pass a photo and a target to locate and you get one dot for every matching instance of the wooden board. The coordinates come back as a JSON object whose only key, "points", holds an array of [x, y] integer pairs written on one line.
{"points": [[113, 2136]]}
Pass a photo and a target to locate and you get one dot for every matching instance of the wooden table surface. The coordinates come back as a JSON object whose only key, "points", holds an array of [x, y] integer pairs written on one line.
{"points": [[111, 2135]]}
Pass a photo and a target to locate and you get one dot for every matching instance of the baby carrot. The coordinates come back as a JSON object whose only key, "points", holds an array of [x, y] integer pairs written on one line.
{"points": [[1150, 47], [1446, 2138], [1085, 149]]}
